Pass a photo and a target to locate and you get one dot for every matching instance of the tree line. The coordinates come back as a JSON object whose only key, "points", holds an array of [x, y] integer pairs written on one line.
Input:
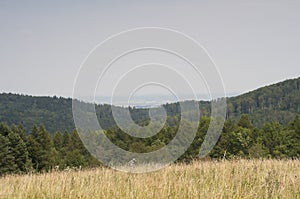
{"points": [[39, 150]]}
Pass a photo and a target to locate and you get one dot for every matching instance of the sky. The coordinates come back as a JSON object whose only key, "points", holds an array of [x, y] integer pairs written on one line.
{"points": [[44, 43]]}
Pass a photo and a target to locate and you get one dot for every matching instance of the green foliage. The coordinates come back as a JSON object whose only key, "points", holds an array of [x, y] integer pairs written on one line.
{"points": [[7, 160], [260, 124], [41, 151], [245, 122], [19, 152], [40, 146], [14, 156], [279, 102]]}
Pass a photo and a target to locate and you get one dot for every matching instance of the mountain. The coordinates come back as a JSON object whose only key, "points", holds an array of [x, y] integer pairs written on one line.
{"points": [[278, 102]]}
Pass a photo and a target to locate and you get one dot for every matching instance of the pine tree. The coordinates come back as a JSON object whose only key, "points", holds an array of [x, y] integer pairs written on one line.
{"points": [[7, 162], [20, 130], [19, 151], [41, 149], [58, 141]]}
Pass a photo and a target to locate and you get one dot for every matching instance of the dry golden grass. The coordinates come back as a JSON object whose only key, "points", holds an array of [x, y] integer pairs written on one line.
{"points": [[223, 179]]}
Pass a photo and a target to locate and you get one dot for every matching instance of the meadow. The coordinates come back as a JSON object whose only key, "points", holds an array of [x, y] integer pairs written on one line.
{"points": [[200, 179]]}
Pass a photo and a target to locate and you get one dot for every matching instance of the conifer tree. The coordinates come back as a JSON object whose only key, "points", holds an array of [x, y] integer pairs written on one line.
{"points": [[19, 151], [7, 162]]}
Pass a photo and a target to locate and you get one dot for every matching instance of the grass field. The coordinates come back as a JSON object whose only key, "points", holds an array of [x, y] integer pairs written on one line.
{"points": [[210, 179]]}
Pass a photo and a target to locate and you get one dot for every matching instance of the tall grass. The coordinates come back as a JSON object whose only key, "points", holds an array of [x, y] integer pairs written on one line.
{"points": [[211, 179]]}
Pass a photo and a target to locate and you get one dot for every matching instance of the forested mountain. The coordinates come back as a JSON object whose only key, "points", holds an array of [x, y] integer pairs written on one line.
{"points": [[52, 112], [31, 146], [279, 102]]}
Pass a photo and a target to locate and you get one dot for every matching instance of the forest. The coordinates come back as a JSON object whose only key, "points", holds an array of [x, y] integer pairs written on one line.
{"points": [[38, 150], [38, 133], [278, 102]]}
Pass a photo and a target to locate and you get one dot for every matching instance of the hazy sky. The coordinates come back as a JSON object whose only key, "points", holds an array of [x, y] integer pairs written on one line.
{"points": [[42, 44]]}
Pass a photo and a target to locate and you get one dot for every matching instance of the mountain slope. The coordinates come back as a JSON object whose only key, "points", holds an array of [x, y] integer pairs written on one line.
{"points": [[278, 102], [55, 113]]}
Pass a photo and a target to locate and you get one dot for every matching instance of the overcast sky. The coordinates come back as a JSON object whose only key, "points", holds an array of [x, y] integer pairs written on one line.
{"points": [[42, 44]]}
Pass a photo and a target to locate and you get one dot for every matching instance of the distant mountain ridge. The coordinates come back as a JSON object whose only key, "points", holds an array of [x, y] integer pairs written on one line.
{"points": [[278, 102]]}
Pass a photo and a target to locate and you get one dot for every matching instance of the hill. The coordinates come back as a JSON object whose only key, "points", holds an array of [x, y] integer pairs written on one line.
{"points": [[278, 102], [55, 113]]}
